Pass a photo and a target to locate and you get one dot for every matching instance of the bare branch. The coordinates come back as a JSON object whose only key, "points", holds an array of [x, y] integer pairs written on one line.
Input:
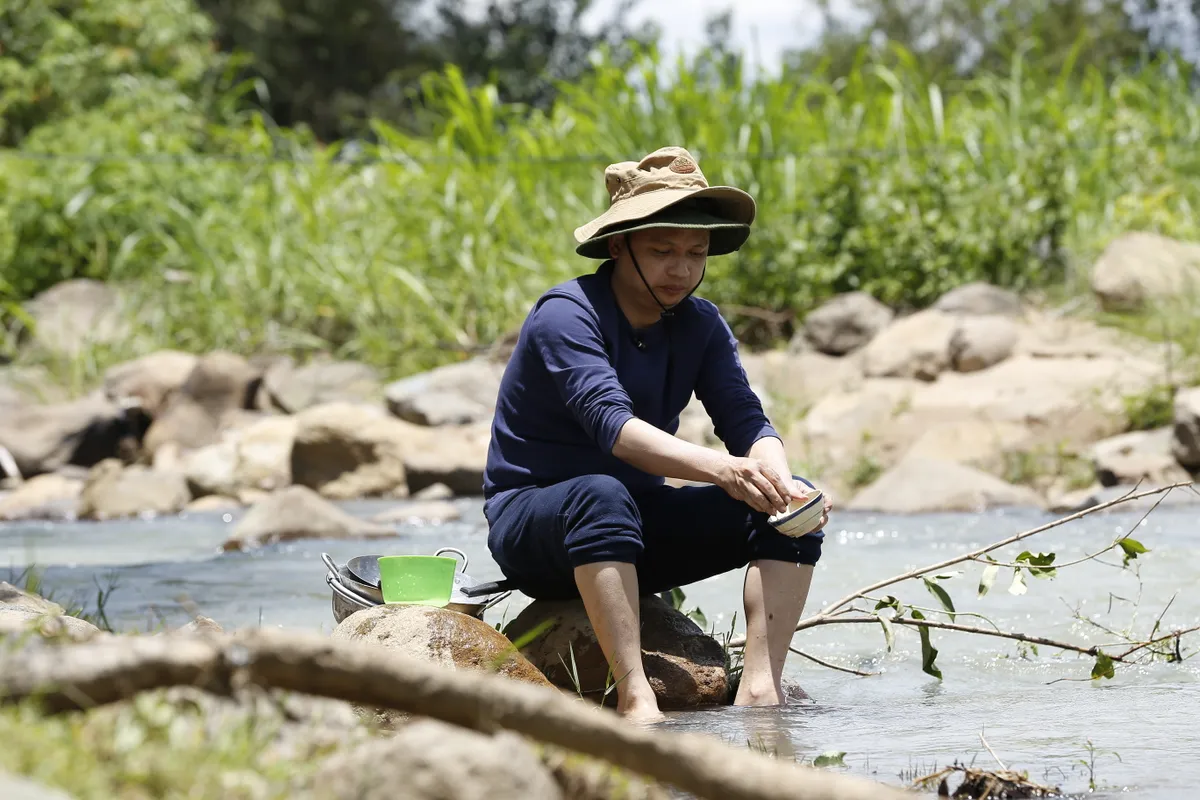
{"points": [[816, 660]]}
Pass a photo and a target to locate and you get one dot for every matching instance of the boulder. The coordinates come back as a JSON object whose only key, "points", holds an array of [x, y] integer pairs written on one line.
{"points": [[461, 393], [433, 760], [148, 381], [298, 512], [263, 451], [45, 438], [210, 470], [113, 491], [1139, 456], [294, 388], [202, 624], [1186, 433], [917, 347], [15, 787], [455, 457], [979, 299], [436, 491], [14, 597], [19, 621], [346, 451], [74, 315], [921, 485], [836, 428], [979, 342], [430, 512], [219, 385], [796, 381], [211, 503], [845, 323], [685, 666], [50, 496], [977, 442], [26, 385], [1139, 268]]}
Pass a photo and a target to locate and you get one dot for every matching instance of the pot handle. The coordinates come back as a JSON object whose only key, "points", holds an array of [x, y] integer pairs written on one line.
{"points": [[330, 564], [346, 595], [458, 553]]}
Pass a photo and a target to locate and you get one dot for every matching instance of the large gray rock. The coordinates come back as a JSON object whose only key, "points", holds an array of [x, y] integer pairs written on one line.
{"points": [[76, 314], [455, 457], [432, 760], [299, 513], [1186, 434], [980, 299], [456, 394], [46, 438], [1139, 456], [1139, 268], [346, 451], [686, 667], [14, 597], [980, 342], [294, 388], [114, 491], [220, 385], [50, 496], [917, 347], [148, 381], [19, 621], [846, 323], [920, 485]]}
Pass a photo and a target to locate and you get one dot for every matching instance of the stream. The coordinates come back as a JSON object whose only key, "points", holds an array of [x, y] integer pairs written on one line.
{"points": [[1135, 735]]}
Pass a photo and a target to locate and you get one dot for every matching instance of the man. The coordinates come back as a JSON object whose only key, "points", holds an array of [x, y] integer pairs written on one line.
{"points": [[583, 435]]}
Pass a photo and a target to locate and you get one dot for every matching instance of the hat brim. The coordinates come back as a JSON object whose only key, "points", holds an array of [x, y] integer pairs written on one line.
{"points": [[727, 212]]}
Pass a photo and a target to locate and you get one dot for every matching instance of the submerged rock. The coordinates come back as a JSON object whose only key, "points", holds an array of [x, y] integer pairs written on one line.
{"points": [[299, 513], [50, 496]]}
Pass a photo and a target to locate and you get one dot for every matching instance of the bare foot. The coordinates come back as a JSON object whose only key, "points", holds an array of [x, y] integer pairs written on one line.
{"points": [[762, 695], [641, 711]]}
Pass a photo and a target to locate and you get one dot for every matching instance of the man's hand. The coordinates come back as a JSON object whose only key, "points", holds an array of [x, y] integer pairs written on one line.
{"points": [[757, 484]]}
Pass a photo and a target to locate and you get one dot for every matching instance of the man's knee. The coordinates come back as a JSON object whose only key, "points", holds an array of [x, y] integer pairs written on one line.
{"points": [[601, 522]]}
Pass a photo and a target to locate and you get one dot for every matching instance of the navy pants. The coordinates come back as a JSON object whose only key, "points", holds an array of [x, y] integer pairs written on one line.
{"points": [[674, 536]]}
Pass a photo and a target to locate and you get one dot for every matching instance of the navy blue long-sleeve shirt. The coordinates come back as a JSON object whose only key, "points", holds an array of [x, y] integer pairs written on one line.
{"points": [[577, 375]]}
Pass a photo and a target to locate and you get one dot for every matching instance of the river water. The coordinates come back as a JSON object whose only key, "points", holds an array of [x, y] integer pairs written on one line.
{"points": [[1135, 735]]}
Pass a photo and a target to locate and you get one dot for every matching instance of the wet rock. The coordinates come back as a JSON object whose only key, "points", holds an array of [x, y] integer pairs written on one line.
{"points": [[845, 323], [1135, 457], [45, 438], [294, 388], [982, 341], [49, 497], [1139, 268], [432, 760], [15, 787], [202, 624], [149, 380], [686, 668], [1186, 433], [220, 384], [14, 597], [456, 394], [18, 621], [436, 491], [76, 314], [980, 299], [113, 491], [455, 457], [346, 451], [298, 512], [913, 347], [212, 503], [923, 485], [430, 512]]}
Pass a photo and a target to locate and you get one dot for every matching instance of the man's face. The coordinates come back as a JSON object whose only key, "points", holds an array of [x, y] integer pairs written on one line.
{"points": [[672, 261]]}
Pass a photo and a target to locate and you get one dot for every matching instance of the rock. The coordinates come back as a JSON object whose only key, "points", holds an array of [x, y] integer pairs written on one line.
{"points": [[432, 512], [846, 323], [913, 347], [983, 341], [588, 778], [220, 384], [922, 485], [211, 503], [1186, 434], [347, 451], [1174, 497], [1138, 268], [13, 597], [202, 624], [76, 314], [1137, 456], [433, 760], [299, 513], [114, 491], [45, 438], [795, 382], [149, 380], [1073, 501], [977, 442], [294, 388], [15, 787], [19, 621], [50, 496], [686, 668], [455, 457], [264, 454], [29, 385], [210, 470], [980, 299], [464, 393], [836, 428], [435, 491]]}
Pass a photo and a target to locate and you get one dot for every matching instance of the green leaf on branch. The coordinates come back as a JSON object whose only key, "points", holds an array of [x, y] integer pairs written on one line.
{"points": [[988, 578], [675, 598], [929, 653], [1039, 565], [889, 631], [1018, 586], [888, 602], [1133, 548], [1103, 668], [942, 595], [697, 616]]}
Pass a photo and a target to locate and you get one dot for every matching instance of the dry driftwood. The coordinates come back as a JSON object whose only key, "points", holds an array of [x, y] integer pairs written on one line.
{"points": [[81, 676]]}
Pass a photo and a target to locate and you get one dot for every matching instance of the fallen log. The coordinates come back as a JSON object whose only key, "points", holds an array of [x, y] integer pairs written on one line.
{"points": [[96, 673]]}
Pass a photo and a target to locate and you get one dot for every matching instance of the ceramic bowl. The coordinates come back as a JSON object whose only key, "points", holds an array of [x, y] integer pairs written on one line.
{"points": [[803, 516]]}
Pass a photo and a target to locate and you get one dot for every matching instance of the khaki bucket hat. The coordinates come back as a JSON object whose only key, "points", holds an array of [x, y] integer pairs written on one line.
{"points": [[667, 189]]}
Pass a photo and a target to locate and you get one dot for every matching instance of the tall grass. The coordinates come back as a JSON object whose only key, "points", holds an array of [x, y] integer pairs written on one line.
{"points": [[407, 252]]}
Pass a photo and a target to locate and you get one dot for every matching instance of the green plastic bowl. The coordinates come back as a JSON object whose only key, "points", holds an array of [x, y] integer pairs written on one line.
{"points": [[417, 580]]}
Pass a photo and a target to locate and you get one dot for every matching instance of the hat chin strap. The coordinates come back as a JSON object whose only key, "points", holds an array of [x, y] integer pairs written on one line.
{"points": [[666, 312]]}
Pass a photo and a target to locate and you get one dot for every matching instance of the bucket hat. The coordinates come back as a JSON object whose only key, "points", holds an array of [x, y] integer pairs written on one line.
{"points": [[667, 189]]}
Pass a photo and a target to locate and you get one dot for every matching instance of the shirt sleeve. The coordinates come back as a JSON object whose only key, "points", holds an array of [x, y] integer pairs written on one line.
{"points": [[570, 344], [723, 388]]}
